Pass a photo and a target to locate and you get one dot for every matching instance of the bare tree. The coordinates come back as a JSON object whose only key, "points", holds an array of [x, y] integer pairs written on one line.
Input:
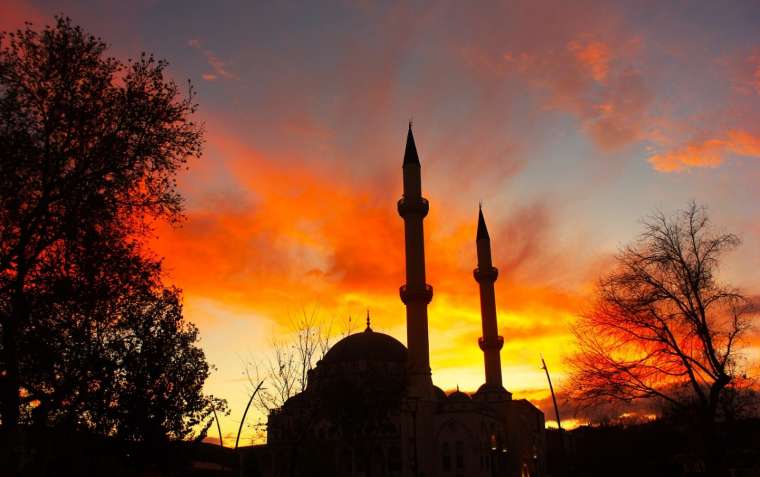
{"points": [[663, 326], [313, 336], [285, 371], [349, 328]]}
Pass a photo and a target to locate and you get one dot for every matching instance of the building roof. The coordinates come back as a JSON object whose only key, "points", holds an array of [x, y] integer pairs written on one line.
{"points": [[366, 346]]}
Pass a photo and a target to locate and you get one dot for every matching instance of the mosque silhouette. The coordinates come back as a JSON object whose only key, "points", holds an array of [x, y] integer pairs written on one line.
{"points": [[371, 409]]}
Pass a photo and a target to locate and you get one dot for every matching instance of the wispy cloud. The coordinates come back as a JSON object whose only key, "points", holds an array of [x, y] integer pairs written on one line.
{"points": [[219, 68], [707, 153], [594, 80]]}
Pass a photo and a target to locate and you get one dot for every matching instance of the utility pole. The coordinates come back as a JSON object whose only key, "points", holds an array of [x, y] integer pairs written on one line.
{"points": [[246, 412], [240, 429], [221, 443], [562, 455], [551, 388]]}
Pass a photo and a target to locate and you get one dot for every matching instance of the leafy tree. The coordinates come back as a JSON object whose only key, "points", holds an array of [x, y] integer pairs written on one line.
{"points": [[90, 339], [89, 149], [161, 371], [123, 363], [69, 359], [663, 327], [113, 356]]}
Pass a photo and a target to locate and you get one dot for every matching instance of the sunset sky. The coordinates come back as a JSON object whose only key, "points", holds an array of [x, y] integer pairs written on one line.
{"points": [[570, 121]]}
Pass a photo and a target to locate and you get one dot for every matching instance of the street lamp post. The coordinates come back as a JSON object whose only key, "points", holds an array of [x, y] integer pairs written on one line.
{"points": [[499, 455], [412, 403], [494, 455]]}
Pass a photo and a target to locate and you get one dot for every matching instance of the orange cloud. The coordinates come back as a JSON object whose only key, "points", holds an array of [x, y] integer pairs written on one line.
{"points": [[709, 153], [744, 143], [610, 98], [283, 234], [595, 55]]}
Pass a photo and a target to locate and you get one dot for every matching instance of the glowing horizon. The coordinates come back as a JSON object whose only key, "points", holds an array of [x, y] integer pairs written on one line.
{"points": [[569, 122]]}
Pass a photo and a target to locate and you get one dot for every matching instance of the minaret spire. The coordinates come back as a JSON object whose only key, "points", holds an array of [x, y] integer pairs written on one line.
{"points": [[486, 274], [482, 229], [410, 154], [416, 293]]}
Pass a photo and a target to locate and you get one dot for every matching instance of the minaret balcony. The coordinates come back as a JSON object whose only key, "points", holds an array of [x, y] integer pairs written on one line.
{"points": [[487, 274], [492, 343], [416, 294], [413, 206]]}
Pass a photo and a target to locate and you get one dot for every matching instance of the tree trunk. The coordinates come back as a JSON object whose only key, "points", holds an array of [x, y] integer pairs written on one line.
{"points": [[715, 450], [10, 401], [712, 448]]}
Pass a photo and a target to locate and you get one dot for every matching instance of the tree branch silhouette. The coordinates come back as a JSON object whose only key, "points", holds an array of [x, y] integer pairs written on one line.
{"points": [[89, 151], [663, 327]]}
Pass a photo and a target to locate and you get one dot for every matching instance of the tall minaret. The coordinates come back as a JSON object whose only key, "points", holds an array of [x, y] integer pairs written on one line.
{"points": [[485, 275], [416, 294]]}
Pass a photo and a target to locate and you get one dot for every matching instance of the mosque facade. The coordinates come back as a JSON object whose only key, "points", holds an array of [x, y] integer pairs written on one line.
{"points": [[371, 409]]}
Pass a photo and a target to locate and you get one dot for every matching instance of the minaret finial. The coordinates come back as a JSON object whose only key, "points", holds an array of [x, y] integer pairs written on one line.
{"points": [[482, 229], [410, 154], [368, 328]]}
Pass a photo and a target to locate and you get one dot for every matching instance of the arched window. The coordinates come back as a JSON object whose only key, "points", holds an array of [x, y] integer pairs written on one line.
{"points": [[459, 451], [394, 459], [446, 457], [345, 458]]}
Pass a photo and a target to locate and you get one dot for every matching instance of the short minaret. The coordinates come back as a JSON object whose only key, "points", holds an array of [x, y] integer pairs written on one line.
{"points": [[416, 293], [491, 343]]}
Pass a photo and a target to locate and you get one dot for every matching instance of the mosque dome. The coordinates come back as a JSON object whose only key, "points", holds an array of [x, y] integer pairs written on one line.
{"points": [[459, 397], [366, 346], [490, 392]]}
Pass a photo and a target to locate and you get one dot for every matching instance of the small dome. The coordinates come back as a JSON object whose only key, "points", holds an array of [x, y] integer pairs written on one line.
{"points": [[459, 396], [366, 346], [439, 394], [488, 392]]}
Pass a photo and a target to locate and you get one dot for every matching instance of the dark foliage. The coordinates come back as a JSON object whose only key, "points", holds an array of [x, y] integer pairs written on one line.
{"points": [[657, 448], [90, 339]]}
